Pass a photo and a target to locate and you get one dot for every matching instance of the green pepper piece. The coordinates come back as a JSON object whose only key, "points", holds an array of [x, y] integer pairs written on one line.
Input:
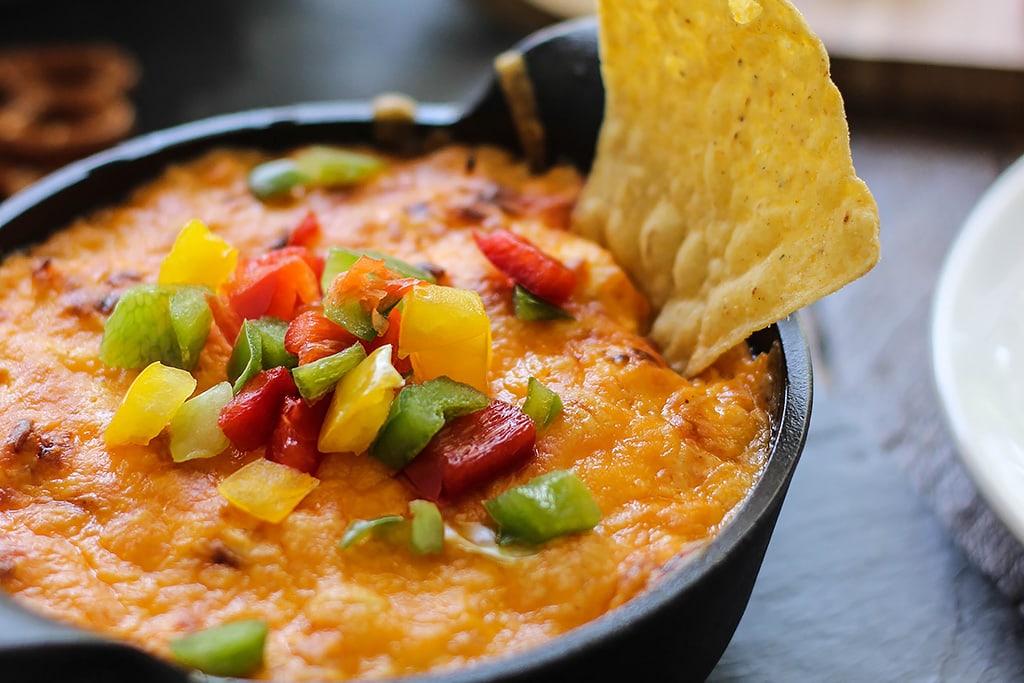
{"points": [[351, 315], [340, 259], [190, 319], [275, 178], [530, 307], [272, 331], [426, 534], [246, 357], [418, 413], [334, 167], [551, 505], [144, 327], [319, 377], [541, 404], [259, 346], [361, 529], [194, 429], [232, 649]]}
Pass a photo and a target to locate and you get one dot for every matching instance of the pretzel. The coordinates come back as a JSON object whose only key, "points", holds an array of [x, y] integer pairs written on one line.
{"points": [[62, 102]]}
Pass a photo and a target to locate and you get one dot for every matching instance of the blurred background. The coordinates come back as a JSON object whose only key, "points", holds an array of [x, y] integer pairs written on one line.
{"points": [[885, 566]]}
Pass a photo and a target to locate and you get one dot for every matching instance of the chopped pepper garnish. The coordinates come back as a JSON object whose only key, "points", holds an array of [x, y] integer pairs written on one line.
{"points": [[276, 178], [267, 490], [311, 336], [360, 404], [194, 429], [361, 529], [532, 308], [472, 450], [418, 413], [335, 167], [423, 533], [307, 233], [426, 532], [198, 257], [358, 298], [541, 404], [148, 405], [446, 332], [156, 323], [546, 507], [250, 417], [293, 441], [319, 377], [274, 284], [518, 258], [340, 259], [260, 346], [232, 649]]}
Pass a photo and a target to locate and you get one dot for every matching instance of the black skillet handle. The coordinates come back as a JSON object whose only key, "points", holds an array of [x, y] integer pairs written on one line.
{"points": [[36, 650], [564, 70]]}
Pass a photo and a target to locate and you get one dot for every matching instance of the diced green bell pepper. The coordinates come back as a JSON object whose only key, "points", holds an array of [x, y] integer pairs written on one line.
{"points": [[426, 535], [530, 307], [319, 377], [361, 529], [418, 413], [232, 649], [194, 429], [351, 315], [340, 259], [275, 178], [542, 404], [335, 167], [259, 346], [166, 323], [423, 533], [551, 505]]}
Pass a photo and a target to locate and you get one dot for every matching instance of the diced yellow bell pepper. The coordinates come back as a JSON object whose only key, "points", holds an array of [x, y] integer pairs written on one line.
{"points": [[360, 404], [198, 257], [446, 332], [149, 404], [267, 490]]}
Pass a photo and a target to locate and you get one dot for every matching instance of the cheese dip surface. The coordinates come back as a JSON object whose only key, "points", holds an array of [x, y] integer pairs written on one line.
{"points": [[121, 539]]}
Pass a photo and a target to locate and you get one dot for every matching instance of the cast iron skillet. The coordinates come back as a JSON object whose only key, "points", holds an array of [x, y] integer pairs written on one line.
{"points": [[675, 631]]}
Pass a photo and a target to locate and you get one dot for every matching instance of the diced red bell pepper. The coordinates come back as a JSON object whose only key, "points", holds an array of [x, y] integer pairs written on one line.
{"points": [[311, 336], [518, 258], [293, 441], [274, 284], [225, 317], [390, 336], [250, 417], [307, 233], [472, 450]]}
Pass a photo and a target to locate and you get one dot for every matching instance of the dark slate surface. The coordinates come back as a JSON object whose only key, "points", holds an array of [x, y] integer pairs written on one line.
{"points": [[863, 581]]}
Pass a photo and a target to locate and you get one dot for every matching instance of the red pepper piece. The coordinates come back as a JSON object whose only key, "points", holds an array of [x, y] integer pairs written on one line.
{"points": [[307, 233], [472, 450], [225, 317], [293, 441], [311, 336], [516, 257], [274, 284], [250, 417]]}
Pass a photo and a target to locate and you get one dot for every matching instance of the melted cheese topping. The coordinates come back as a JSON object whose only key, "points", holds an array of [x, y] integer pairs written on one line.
{"points": [[125, 542]]}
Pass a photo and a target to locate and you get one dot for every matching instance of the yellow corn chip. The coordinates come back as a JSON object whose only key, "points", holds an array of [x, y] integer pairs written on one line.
{"points": [[723, 180]]}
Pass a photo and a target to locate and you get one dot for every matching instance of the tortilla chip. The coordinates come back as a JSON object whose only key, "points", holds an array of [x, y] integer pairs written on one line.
{"points": [[723, 181]]}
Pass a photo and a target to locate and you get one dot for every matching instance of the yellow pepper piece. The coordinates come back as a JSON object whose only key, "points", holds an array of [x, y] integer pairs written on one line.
{"points": [[360, 404], [267, 490], [446, 332], [149, 404], [198, 257]]}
